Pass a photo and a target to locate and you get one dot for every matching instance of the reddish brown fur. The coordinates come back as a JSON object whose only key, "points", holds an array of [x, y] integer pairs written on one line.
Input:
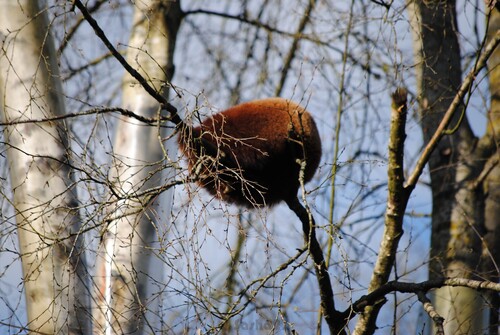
{"points": [[248, 153]]}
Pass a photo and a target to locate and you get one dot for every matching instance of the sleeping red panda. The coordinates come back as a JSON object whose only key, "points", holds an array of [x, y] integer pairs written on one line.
{"points": [[249, 154]]}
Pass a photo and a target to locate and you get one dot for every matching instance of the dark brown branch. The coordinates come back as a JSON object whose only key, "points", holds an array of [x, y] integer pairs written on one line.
{"points": [[294, 47], [242, 18], [382, 3], [333, 318], [174, 117], [72, 31], [257, 23], [394, 286], [93, 111]]}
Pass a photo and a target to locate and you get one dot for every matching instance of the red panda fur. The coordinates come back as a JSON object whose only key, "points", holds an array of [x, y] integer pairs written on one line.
{"points": [[248, 154]]}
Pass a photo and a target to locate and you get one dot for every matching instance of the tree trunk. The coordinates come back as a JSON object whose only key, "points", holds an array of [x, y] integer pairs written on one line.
{"points": [[44, 197], [491, 249], [128, 269], [458, 201]]}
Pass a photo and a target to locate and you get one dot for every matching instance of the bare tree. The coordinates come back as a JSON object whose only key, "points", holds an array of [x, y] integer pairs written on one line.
{"points": [[458, 166], [360, 257], [55, 276], [128, 294]]}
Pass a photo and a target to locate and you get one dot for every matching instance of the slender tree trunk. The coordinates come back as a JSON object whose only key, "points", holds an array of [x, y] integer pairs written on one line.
{"points": [[44, 199], [458, 201], [129, 270]]}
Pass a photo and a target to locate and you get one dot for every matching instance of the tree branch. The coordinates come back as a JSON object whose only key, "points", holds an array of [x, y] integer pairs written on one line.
{"points": [[72, 31], [295, 43], [134, 73], [396, 206], [431, 311], [441, 130], [92, 111], [488, 167], [379, 294], [308, 37], [334, 319]]}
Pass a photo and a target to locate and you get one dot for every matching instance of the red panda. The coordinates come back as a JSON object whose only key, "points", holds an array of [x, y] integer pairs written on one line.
{"points": [[249, 154]]}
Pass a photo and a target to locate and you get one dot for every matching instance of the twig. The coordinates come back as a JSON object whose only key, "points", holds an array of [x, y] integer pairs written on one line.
{"points": [[294, 47], [92, 111], [308, 37], [336, 146], [237, 308], [338, 127]]}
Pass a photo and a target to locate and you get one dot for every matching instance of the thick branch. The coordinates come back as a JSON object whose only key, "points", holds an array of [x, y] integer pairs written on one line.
{"points": [[431, 311], [397, 197], [422, 287], [396, 206]]}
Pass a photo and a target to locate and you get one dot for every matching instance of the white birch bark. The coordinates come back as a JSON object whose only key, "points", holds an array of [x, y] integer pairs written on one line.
{"points": [[44, 197], [129, 270]]}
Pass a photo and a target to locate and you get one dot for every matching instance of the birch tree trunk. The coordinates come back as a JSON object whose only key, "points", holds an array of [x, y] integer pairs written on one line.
{"points": [[128, 269], [458, 217], [44, 199]]}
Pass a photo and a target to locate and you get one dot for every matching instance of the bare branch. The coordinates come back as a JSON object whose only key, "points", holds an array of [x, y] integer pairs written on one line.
{"points": [[396, 206], [92, 111], [231, 312], [294, 47], [333, 318], [488, 167], [72, 31], [431, 311], [440, 131], [301, 36], [394, 286], [133, 72]]}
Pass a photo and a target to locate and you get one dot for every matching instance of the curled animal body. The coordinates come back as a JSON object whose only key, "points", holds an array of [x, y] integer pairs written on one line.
{"points": [[251, 154]]}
